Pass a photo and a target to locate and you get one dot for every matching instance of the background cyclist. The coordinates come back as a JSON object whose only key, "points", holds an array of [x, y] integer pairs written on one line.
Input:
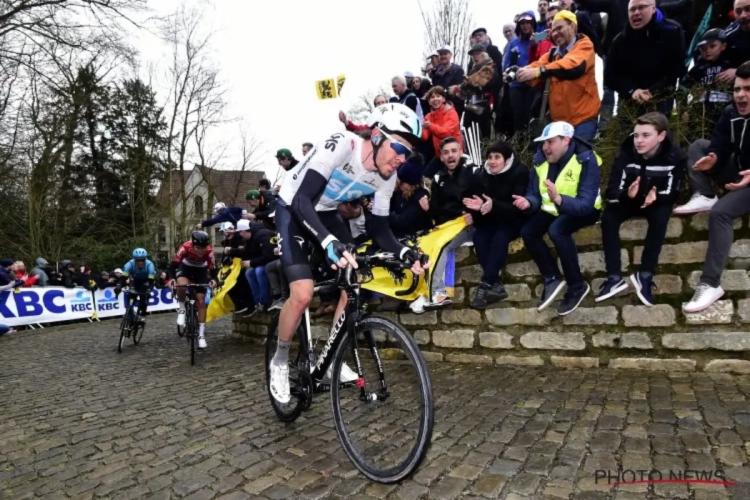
{"points": [[194, 264], [340, 169], [141, 273]]}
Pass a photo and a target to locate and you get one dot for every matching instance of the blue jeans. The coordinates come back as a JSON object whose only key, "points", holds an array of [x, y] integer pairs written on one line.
{"points": [[491, 245], [259, 285], [586, 130], [560, 230]]}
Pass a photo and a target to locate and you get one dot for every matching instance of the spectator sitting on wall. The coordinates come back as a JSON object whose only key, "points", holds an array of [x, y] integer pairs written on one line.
{"points": [[40, 271], [573, 92], [262, 203], [724, 161], [7, 280], [496, 219], [287, 161], [223, 213], [256, 252], [19, 270], [645, 180], [563, 197], [410, 203]]}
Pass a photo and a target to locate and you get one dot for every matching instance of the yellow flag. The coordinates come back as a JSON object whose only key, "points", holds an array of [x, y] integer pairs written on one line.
{"points": [[340, 83], [432, 244], [221, 304], [326, 89]]}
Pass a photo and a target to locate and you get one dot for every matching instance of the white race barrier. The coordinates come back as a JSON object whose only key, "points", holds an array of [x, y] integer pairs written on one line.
{"points": [[32, 306]]}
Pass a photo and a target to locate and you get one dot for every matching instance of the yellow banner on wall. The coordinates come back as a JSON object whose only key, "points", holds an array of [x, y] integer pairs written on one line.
{"points": [[221, 304]]}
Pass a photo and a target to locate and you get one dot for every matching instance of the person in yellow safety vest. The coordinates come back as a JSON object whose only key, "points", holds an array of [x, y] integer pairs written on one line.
{"points": [[563, 196]]}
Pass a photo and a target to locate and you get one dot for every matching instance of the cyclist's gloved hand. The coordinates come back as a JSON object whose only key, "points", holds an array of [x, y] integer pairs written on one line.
{"points": [[338, 255], [418, 263], [118, 290], [409, 256]]}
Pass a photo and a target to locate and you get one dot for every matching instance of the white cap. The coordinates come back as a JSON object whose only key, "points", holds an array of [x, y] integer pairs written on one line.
{"points": [[243, 225], [118, 271], [408, 74], [219, 206], [225, 226], [445, 48], [556, 129]]}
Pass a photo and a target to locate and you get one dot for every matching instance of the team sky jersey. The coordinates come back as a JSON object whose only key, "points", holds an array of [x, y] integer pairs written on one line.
{"points": [[187, 257], [339, 159], [147, 272]]}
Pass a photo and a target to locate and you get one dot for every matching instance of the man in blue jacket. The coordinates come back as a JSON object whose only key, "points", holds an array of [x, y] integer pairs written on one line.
{"points": [[519, 53], [564, 196], [223, 213]]}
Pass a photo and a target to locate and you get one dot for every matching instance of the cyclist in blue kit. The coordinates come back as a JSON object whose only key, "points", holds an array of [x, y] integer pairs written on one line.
{"points": [[141, 273], [340, 169]]}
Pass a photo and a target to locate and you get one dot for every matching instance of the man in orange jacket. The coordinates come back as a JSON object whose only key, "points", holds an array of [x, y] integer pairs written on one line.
{"points": [[573, 93]]}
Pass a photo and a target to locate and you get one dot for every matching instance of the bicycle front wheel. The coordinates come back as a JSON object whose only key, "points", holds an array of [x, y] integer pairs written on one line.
{"points": [[384, 420], [125, 327]]}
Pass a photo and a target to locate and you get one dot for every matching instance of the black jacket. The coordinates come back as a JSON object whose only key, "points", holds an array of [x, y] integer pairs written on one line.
{"points": [[738, 44], [453, 76], [495, 54], [500, 188], [587, 27], [267, 204], [731, 145], [666, 171], [617, 15], [449, 190], [650, 58], [258, 249], [407, 216]]}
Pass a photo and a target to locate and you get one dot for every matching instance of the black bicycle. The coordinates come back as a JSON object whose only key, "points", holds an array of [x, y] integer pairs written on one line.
{"points": [[132, 325], [372, 413], [190, 330]]}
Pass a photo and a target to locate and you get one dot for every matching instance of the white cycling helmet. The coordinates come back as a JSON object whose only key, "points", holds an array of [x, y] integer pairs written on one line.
{"points": [[399, 119]]}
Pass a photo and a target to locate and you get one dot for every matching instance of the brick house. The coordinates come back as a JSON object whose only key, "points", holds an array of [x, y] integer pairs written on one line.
{"points": [[203, 187]]}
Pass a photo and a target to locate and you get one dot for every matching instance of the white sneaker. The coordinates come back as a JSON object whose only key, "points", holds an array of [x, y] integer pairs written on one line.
{"points": [[703, 298], [202, 342], [347, 374], [280, 383], [181, 318], [698, 203], [417, 307]]}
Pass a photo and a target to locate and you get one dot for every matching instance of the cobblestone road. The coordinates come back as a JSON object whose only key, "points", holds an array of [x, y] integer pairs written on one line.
{"points": [[78, 420]]}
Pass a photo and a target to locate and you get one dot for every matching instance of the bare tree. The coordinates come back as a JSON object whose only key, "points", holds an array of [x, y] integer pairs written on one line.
{"points": [[365, 104], [449, 22], [196, 105]]}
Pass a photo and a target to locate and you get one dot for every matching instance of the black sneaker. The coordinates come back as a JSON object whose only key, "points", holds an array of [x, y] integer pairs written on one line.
{"points": [[251, 312], [550, 293], [480, 296], [573, 298], [610, 288], [643, 288], [497, 293]]}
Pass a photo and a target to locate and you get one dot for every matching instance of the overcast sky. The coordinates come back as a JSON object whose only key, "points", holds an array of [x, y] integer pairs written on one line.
{"points": [[270, 54]]}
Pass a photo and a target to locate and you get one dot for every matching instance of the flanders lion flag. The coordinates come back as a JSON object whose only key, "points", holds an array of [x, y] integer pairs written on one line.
{"points": [[330, 88], [221, 304], [432, 244]]}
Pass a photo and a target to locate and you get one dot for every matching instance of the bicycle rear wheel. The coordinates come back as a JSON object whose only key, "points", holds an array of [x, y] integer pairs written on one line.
{"points": [[191, 327], [125, 326], [384, 420], [300, 386]]}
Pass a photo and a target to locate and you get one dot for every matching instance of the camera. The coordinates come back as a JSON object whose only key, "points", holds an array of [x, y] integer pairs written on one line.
{"points": [[509, 75]]}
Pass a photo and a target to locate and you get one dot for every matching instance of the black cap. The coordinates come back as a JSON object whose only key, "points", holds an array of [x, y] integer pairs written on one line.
{"points": [[477, 48], [478, 30], [709, 36]]}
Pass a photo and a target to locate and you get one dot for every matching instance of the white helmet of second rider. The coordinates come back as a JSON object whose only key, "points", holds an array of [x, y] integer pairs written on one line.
{"points": [[398, 119]]}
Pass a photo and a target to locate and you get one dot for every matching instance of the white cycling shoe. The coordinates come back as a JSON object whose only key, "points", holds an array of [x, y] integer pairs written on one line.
{"points": [[347, 374], [202, 342], [181, 318], [279, 386]]}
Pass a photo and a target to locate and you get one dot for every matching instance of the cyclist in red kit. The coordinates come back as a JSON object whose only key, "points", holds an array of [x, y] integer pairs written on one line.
{"points": [[194, 264]]}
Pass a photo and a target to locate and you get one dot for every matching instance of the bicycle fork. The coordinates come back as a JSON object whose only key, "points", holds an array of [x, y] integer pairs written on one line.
{"points": [[382, 394]]}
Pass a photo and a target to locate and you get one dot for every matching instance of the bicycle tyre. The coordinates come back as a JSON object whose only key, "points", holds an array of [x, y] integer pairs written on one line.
{"points": [[191, 331], [284, 414], [124, 325], [416, 455], [138, 333]]}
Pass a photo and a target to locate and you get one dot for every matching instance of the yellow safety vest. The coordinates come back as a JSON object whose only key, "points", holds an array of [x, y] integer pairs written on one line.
{"points": [[566, 183]]}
